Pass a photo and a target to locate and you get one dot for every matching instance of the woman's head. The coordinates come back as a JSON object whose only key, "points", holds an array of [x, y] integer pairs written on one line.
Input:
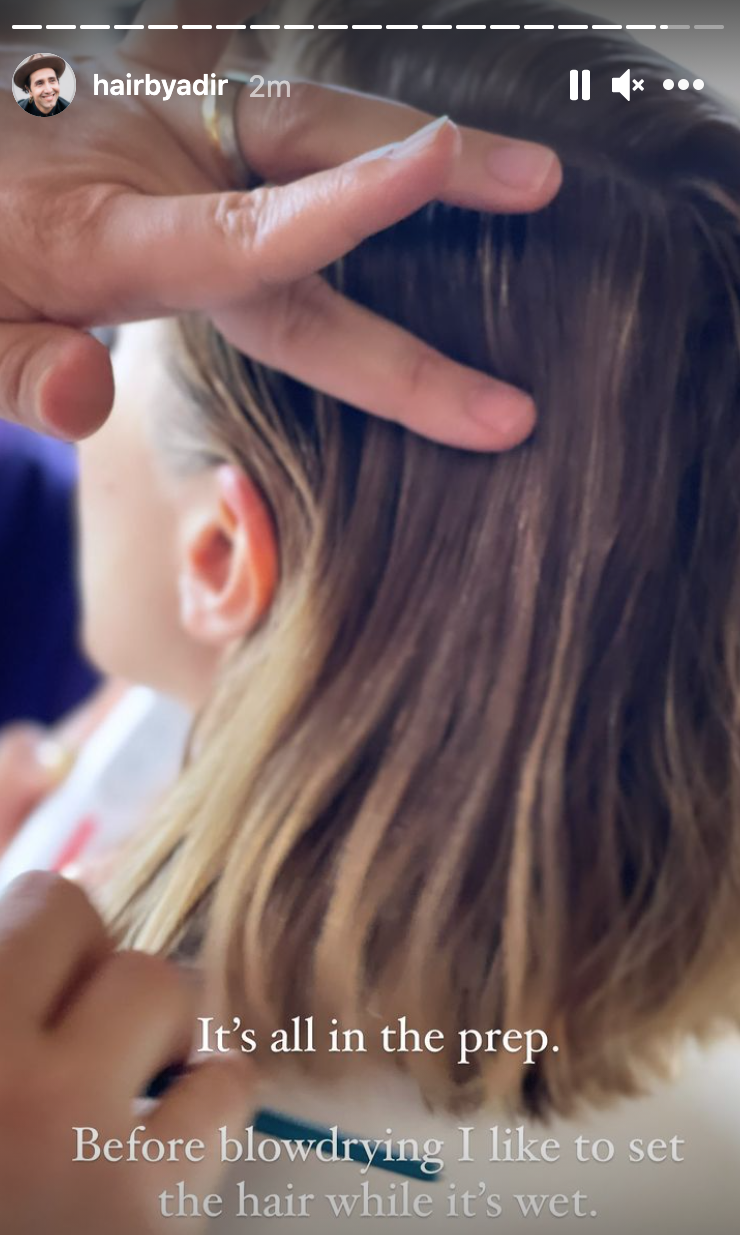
{"points": [[478, 761], [177, 562]]}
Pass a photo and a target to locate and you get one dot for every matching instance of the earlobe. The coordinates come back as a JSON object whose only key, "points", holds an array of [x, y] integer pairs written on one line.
{"points": [[229, 563]]}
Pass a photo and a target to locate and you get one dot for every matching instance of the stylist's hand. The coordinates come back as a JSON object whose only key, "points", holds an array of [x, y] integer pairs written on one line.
{"points": [[82, 1031], [113, 213]]}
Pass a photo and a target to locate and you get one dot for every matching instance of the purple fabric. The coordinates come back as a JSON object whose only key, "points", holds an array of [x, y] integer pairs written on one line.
{"points": [[42, 672]]}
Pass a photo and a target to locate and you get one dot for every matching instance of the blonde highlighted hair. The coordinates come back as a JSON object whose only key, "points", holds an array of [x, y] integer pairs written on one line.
{"points": [[481, 765]]}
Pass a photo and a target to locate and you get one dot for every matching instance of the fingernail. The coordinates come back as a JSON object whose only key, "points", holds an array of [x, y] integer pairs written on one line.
{"points": [[56, 759], [411, 145], [508, 414], [420, 140], [522, 165]]}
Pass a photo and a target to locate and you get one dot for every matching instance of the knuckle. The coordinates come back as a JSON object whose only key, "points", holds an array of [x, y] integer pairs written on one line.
{"points": [[249, 223], [236, 218]]}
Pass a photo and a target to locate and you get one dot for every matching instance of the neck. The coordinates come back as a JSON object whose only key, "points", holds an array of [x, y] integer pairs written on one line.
{"points": [[47, 107]]}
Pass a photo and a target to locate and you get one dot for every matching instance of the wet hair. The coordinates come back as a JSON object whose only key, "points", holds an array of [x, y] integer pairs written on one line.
{"points": [[481, 765]]}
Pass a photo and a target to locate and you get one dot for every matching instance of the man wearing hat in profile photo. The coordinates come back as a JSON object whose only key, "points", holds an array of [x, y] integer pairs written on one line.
{"points": [[39, 77]]}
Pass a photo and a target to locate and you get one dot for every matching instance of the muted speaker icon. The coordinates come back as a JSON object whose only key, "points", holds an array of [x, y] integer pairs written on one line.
{"points": [[625, 85]]}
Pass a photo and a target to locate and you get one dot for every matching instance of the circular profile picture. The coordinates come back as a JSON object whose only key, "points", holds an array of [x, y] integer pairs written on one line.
{"points": [[44, 84]]}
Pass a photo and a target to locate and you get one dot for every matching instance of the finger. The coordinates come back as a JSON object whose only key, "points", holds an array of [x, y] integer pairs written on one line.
{"points": [[210, 1096], [51, 939], [318, 336], [184, 52], [201, 252], [138, 1010], [318, 127], [54, 379]]}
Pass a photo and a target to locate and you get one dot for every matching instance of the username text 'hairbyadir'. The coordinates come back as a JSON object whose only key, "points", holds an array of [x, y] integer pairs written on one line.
{"points": [[165, 87]]}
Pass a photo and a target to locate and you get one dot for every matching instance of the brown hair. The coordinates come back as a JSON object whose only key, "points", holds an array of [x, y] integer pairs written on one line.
{"points": [[481, 767]]}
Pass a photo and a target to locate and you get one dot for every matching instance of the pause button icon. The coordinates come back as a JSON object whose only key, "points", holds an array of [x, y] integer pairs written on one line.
{"points": [[580, 84]]}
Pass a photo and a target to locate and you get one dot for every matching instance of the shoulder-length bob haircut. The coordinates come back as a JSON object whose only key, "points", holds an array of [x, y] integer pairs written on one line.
{"points": [[481, 765]]}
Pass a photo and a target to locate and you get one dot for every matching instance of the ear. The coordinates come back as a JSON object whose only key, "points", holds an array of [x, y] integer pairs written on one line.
{"points": [[228, 560]]}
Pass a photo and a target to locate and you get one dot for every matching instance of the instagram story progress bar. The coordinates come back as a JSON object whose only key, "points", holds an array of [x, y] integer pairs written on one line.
{"points": [[580, 84]]}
